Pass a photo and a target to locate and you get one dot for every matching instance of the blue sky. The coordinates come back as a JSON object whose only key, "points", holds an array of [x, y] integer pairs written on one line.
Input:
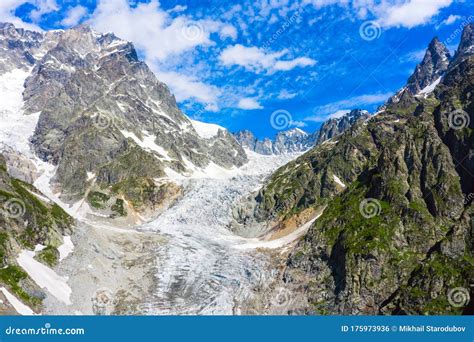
{"points": [[235, 63]]}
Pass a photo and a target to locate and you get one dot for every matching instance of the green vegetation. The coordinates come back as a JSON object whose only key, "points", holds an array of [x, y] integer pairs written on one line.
{"points": [[49, 255], [98, 199], [13, 276], [119, 208]]}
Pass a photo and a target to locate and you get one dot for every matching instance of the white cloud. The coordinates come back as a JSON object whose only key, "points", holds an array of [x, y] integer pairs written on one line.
{"points": [[249, 104], [74, 16], [286, 95], [450, 20], [407, 13], [43, 7], [299, 124], [338, 108], [178, 8], [188, 88], [390, 13], [153, 30], [257, 60], [228, 31], [8, 7]]}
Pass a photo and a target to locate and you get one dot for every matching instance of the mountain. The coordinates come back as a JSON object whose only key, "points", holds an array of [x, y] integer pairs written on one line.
{"points": [[297, 140], [290, 141], [112, 130], [388, 205], [335, 126], [427, 74]]}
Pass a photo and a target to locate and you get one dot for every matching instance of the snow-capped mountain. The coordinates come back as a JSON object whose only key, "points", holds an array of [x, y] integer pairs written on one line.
{"points": [[91, 108], [290, 141], [427, 74]]}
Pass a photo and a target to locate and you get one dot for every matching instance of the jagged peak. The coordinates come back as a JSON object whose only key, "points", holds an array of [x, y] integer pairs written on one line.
{"points": [[466, 45]]}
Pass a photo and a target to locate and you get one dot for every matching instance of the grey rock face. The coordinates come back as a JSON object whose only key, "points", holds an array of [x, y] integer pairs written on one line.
{"points": [[102, 108], [432, 67], [336, 126], [290, 141], [466, 45]]}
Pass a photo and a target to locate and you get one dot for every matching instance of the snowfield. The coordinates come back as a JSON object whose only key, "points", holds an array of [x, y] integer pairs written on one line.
{"points": [[16, 127], [45, 277], [204, 267]]}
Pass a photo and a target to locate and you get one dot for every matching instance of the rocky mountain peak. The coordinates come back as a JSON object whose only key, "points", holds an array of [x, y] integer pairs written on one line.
{"points": [[433, 66], [466, 45], [335, 126]]}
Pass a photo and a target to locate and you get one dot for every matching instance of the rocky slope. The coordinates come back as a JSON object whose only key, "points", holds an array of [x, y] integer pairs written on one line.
{"points": [[107, 124], [27, 220], [396, 233]]}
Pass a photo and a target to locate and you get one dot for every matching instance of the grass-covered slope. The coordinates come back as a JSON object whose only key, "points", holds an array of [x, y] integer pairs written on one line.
{"points": [[27, 219]]}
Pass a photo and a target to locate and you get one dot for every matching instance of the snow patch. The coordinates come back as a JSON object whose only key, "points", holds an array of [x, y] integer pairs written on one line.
{"points": [[429, 88], [206, 130], [21, 308], [278, 243], [45, 277], [66, 248], [338, 181], [148, 143]]}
